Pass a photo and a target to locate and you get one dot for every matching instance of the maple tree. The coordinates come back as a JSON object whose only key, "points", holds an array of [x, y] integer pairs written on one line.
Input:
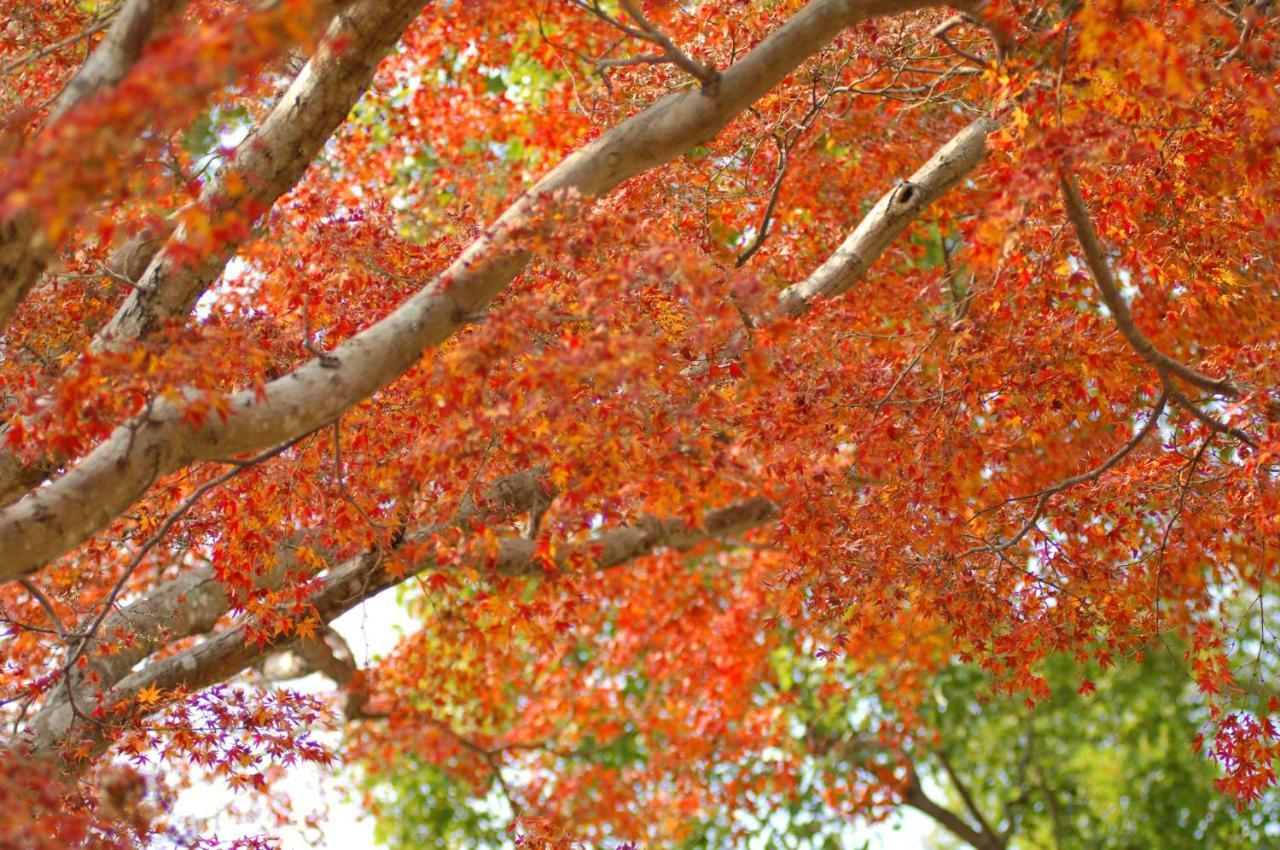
{"points": [[639, 343]]}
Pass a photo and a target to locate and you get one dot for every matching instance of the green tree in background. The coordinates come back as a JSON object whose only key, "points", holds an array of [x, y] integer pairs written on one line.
{"points": [[1108, 763]]}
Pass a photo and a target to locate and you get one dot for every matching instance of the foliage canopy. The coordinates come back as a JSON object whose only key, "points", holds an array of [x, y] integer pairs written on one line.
{"points": [[738, 392]]}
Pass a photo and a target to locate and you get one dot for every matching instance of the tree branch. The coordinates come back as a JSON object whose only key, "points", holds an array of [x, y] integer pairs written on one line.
{"points": [[1042, 496], [165, 283], [896, 209], [133, 27], [709, 77], [192, 603], [966, 797], [49, 610], [345, 586], [66, 512], [269, 164], [23, 254], [947, 819], [1095, 258]]}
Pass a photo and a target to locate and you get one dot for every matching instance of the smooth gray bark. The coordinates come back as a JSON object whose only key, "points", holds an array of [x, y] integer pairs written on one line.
{"points": [[56, 518]]}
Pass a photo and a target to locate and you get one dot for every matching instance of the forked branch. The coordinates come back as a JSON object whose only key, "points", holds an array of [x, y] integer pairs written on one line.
{"points": [[645, 30], [1169, 369]]}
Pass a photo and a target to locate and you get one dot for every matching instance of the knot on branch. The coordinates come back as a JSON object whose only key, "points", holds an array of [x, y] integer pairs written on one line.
{"points": [[904, 194]]}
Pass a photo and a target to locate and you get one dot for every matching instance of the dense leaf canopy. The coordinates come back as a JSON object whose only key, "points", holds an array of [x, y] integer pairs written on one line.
{"points": [[738, 394]]}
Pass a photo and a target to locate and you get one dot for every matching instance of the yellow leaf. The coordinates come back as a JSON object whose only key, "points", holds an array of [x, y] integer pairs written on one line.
{"points": [[306, 628], [150, 695]]}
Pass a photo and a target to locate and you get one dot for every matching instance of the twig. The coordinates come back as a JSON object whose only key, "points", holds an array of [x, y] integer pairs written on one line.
{"points": [[183, 508], [35, 55], [1042, 496], [326, 359], [1078, 214], [49, 610], [1183, 489], [708, 76], [342, 484], [766, 220], [490, 758], [1214, 425], [1099, 470], [942, 32], [909, 369]]}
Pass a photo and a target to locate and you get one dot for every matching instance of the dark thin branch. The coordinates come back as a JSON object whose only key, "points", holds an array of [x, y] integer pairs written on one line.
{"points": [[766, 220], [628, 61], [36, 55], [154, 540], [916, 798], [965, 796], [1042, 496], [1051, 803], [1184, 487], [1180, 399], [308, 341], [943, 33], [341, 481], [1078, 214], [490, 758], [645, 30], [362, 576], [708, 76], [49, 610]]}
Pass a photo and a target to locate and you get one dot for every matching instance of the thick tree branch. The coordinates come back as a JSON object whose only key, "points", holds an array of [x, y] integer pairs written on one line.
{"points": [[872, 237], [877, 230], [886, 220], [155, 621], [132, 28], [158, 619], [17, 477], [345, 586], [167, 283], [23, 250], [192, 603], [68, 511], [329, 655], [853, 750], [270, 163], [916, 798]]}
